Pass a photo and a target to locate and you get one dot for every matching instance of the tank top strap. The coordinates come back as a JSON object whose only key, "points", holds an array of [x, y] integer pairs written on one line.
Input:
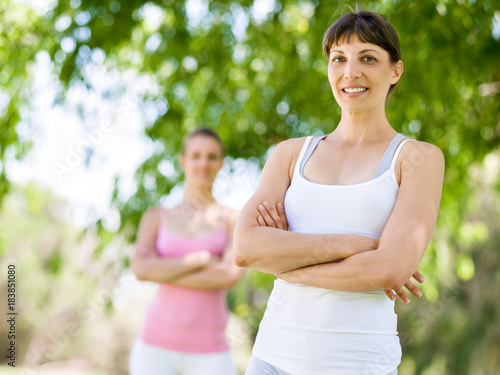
{"points": [[386, 161], [398, 150], [311, 146], [301, 154]]}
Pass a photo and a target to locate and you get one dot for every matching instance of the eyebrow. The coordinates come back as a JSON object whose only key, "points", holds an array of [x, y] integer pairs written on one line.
{"points": [[363, 51]]}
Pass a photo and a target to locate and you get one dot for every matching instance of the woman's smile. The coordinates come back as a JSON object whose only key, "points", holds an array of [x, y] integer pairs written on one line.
{"points": [[354, 91]]}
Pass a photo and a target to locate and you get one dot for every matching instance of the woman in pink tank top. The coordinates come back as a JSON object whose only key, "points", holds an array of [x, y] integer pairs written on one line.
{"points": [[188, 251]]}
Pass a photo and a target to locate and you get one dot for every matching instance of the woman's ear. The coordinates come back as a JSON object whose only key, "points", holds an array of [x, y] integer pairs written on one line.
{"points": [[398, 69]]}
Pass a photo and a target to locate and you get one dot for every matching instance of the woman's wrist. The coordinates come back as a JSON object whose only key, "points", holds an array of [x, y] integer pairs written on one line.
{"points": [[198, 259], [356, 244], [338, 246]]}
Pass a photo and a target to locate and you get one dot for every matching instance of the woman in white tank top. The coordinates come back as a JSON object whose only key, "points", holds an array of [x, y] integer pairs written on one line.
{"points": [[361, 206]]}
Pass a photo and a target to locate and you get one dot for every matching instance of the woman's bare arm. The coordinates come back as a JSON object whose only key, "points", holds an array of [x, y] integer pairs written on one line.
{"points": [[273, 250], [147, 265], [222, 274], [404, 239], [276, 218]]}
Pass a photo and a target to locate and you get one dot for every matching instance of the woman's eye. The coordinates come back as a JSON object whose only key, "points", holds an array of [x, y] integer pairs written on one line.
{"points": [[338, 59], [369, 59]]}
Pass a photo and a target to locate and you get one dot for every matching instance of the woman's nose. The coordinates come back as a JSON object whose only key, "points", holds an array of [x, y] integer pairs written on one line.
{"points": [[203, 162], [352, 70]]}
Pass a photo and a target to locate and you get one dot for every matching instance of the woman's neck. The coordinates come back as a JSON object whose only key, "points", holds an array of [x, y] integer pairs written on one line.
{"points": [[198, 198], [355, 127]]}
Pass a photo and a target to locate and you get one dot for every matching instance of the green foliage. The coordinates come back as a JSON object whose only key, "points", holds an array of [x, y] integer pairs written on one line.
{"points": [[63, 296], [459, 326], [267, 82], [54, 262], [21, 37]]}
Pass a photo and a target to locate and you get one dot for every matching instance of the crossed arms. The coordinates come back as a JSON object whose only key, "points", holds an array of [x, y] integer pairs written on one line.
{"points": [[198, 270], [367, 264]]}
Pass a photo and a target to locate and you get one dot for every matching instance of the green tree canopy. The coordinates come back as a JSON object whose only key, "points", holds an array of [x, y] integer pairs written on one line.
{"points": [[260, 78]]}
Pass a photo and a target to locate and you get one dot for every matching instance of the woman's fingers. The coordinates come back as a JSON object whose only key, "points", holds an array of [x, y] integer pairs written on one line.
{"points": [[418, 276], [264, 213], [274, 215], [261, 222], [390, 294], [413, 289], [281, 212], [270, 216], [401, 294]]}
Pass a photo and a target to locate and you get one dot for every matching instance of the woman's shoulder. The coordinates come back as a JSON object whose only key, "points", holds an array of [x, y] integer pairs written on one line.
{"points": [[421, 150], [291, 144], [289, 148], [283, 158], [418, 153], [152, 215]]}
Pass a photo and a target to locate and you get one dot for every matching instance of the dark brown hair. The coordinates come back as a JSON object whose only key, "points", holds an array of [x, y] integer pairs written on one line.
{"points": [[205, 132], [369, 27]]}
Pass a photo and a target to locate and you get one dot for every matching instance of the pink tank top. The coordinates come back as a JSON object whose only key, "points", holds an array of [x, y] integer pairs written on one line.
{"points": [[185, 319]]}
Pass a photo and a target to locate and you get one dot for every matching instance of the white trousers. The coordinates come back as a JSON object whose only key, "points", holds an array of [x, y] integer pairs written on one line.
{"points": [[153, 360]]}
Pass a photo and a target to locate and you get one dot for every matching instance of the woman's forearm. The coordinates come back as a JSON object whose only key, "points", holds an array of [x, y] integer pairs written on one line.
{"points": [[360, 273], [274, 250], [164, 270], [215, 276]]}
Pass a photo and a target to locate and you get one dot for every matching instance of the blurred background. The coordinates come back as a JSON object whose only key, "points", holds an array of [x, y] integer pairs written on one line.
{"points": [[96, 95]]}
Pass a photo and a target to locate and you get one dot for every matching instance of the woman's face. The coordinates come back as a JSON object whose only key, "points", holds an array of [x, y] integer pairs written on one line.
{"points": [[202, 160], [360, 74]]}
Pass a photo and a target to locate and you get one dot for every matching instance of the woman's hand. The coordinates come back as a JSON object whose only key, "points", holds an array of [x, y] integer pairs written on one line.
{"points": [[289, 277], [410, 286], [200, 258], [272, 217]]}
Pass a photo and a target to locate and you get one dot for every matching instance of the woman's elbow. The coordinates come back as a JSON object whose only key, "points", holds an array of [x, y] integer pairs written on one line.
{"points": [[239, 258], [241, 250]]}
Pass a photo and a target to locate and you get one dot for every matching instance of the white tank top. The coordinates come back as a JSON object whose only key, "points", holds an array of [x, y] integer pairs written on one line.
{"points": [[314, 331]]}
